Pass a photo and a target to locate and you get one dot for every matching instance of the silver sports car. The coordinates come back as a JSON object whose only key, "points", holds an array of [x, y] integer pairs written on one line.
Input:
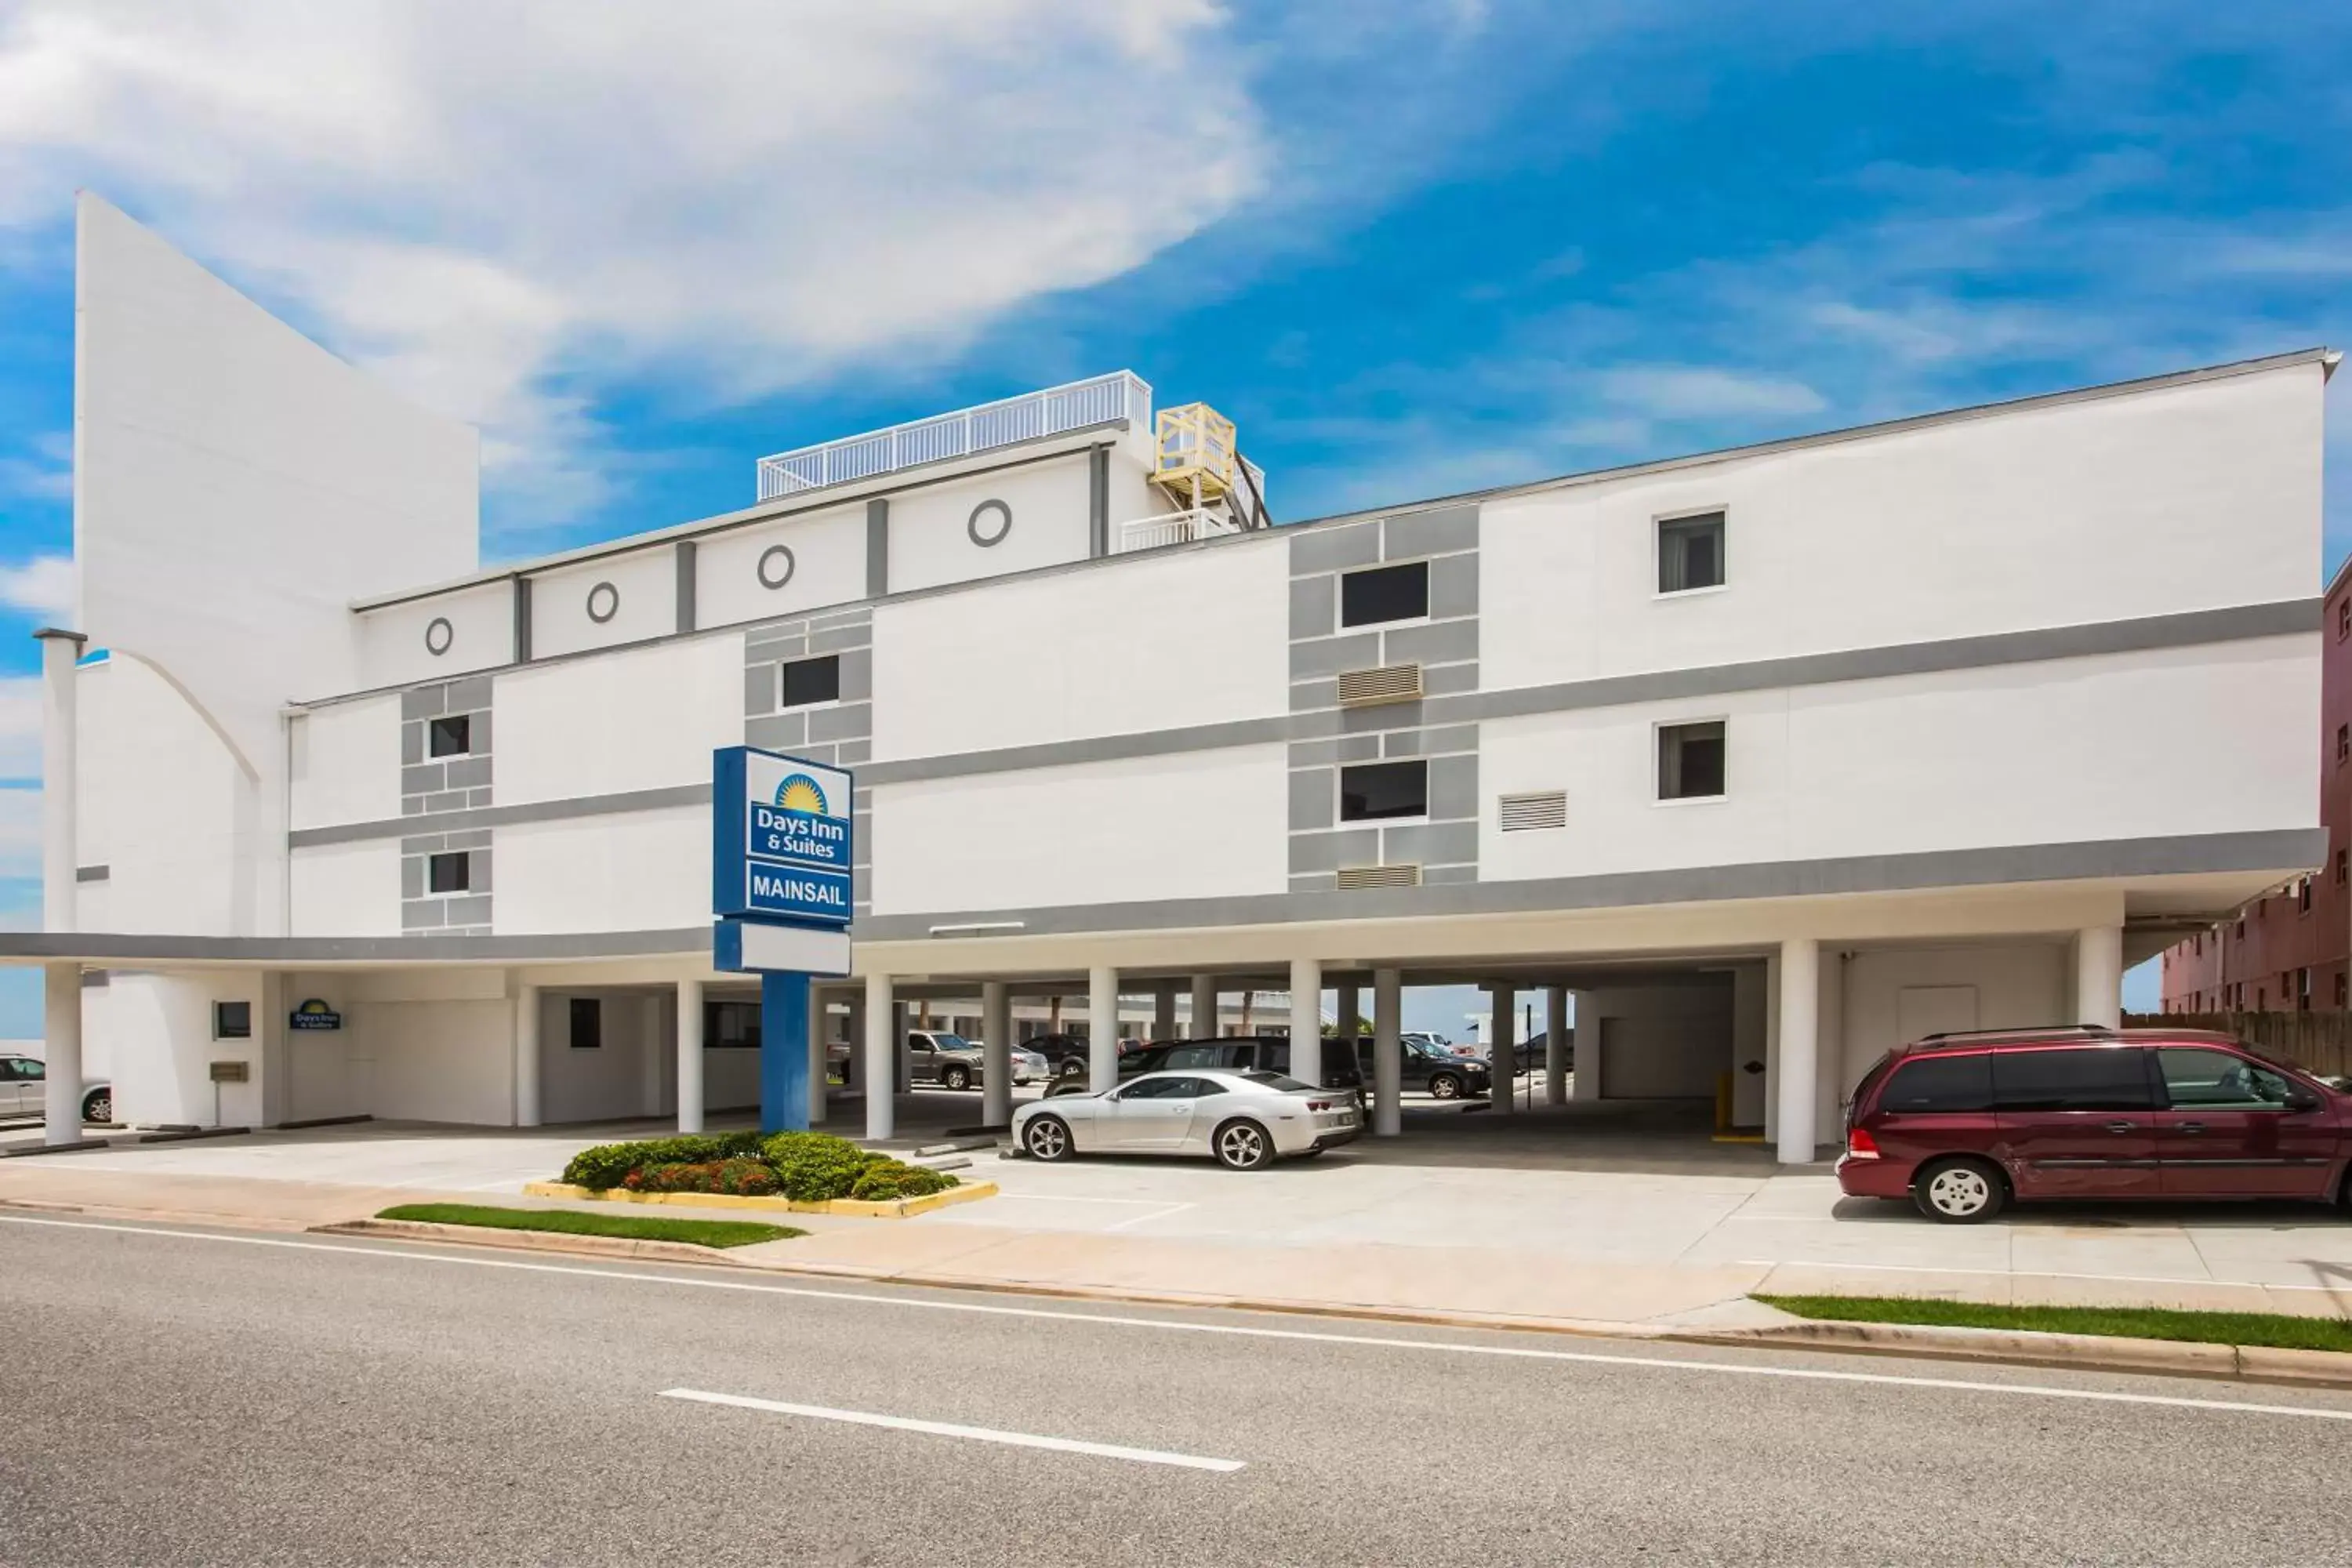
{"points": [[1243, 1120]]}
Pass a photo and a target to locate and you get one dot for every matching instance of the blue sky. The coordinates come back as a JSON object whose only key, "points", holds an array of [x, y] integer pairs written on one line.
{"points": [[1411, 248]]}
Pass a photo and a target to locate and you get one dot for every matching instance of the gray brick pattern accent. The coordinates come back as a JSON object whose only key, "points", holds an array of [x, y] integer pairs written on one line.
{"points": [[431, 785], [1446, 644], [840, 732]]}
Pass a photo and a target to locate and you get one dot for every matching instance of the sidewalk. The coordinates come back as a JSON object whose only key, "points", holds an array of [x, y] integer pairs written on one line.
{"points": [[1497, 1283]]}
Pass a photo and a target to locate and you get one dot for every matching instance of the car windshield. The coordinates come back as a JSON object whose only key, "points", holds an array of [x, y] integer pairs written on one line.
{"points": [[953, 1043], [1275, 1080], [1424, 1048]]}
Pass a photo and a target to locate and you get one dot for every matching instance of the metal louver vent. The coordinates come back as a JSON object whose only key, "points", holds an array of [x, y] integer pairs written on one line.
{"points": [[1379, 877], [1528, 812], [1389, 683]]}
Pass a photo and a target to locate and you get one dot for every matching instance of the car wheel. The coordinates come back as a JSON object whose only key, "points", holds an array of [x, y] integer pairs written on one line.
{"points": [[1242, 1146], [1445, 1086], [1959, 1191], [99, 1107], [1069, 1066], [956, 1078], [1047, 1138]]}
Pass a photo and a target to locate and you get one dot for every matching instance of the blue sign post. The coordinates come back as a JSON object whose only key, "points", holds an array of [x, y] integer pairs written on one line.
{"points": [[780, 855]]}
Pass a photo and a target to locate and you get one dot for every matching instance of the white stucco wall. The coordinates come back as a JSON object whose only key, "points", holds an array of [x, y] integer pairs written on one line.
{"points": [[637, 871], [2058, 752], [1081, 654], [1202, 824], [165, 807], [346, 760], [2185, 498], [930, 543], [638, 718], [396, 647], [828, 567], [347, 890], [643, 601]]}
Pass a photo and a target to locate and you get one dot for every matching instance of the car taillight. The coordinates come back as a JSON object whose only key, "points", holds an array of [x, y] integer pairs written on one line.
{"points": [[1319, 1105], [1861, 1146]]}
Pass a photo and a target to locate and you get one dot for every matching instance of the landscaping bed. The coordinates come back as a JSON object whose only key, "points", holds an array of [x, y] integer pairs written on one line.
{"points": [[2267, 1329], [803, 1171], [571, 1222]]}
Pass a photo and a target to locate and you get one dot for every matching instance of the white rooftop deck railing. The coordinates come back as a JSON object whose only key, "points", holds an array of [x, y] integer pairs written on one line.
{"points": [[1122, 394], [1174, 528]]}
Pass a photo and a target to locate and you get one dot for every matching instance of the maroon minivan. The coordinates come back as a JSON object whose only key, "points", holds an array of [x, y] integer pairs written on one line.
{"points": [[1961, 1124]]}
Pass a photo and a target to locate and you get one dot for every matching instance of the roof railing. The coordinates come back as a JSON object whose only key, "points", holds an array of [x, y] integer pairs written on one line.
{"points": [[1075, 405]]}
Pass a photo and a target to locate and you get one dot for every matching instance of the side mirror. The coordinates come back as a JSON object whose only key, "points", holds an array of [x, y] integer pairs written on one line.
{"points": [[2302, 1099]]}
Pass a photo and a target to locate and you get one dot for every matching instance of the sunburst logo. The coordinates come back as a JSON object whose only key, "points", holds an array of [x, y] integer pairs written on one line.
{"points": [[800, 792]]}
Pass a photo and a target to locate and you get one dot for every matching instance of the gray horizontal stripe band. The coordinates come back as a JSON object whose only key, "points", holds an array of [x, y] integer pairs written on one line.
{"points": [[664, 799], [120, 949], [2185, 630], [2282, 850], [2189, 629]]}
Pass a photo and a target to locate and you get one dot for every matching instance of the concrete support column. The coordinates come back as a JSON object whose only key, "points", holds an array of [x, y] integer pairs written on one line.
{"points": [[881, 1047], [1388, 1030], [526, 1059], [650, 1046], [1307, 1020], [1204, 1024], [1502, 1043], [1102, 1028], [1163, 1011], [1799, 1049], [1351, 1020], [1585, 1083], [689, 1056], [996, 1054], [1556, 1044], [852, 1070], [819, 1035], [61, 1047], [902, 1062], [2099, 976], [1751, 1017], [60, 789]]}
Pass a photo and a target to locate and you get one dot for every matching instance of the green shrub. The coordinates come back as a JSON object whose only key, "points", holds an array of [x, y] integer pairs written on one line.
{"points": [[609, 1164], [815, 1166], [742, 1177], [886, 1179]]}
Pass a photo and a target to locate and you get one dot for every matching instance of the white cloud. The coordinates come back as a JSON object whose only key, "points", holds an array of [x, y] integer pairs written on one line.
{"points": [[47, 474], [41, 586], [507, 209], [20, 729], [1696, 392]]}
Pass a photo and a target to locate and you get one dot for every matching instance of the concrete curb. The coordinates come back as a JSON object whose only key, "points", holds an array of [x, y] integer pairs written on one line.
{"points": [[533, 1241], [2103, 1352], [891, 1208]]}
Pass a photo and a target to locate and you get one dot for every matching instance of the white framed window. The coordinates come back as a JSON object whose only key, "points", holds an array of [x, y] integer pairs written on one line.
{"points": [[1384, 792], [1378, 595], [811, 682], [1691, 554], [1691, 761]]}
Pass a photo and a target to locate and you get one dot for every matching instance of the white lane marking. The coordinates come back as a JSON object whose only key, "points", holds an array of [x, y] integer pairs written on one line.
{"points": [[407, 1253], [949, 1429], [2035, 1274], [1147, 1218]]}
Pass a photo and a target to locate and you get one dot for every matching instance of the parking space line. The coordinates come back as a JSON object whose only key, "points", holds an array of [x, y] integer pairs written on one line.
{"points": [[411, 1253], [1143, 1218], [950, 1429]]}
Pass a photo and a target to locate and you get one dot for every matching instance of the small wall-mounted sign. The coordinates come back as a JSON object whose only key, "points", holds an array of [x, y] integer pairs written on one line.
{"points": [[315, 1015], [230, 1072]]}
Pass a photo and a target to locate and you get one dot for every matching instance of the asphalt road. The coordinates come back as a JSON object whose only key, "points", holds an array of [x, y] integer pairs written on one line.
{"points": [[175, 1396]]}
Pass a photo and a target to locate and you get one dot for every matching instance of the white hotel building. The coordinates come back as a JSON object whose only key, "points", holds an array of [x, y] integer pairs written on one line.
{"points": [[1773, 757]]}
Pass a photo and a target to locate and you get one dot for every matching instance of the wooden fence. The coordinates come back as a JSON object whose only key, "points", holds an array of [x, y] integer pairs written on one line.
{"points": [[2316, 1042]]}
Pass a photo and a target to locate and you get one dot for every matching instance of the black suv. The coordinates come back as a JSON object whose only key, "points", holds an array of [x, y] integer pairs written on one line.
{"points": [[1268, 1053], [1065, 1054], [1440, 1074]]}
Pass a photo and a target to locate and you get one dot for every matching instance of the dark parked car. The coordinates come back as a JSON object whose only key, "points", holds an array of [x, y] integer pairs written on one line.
{"points": [[1065, 1053], [1248, 1053], [1963, 1124], [1431, 1069]]}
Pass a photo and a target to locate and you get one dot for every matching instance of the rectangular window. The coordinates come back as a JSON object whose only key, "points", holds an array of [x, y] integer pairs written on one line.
{"points": [[1690, 760], [1370, 792], [1925, 1085], [2344, 620], [450, 737], [445, 873], [2340, 988], [1690, 553], [731, 1025], [2343, 867], [812, 680], [2344, 743], [1384, 593], [231, 1020], [587, 1023], [2087, 1078], [2303, 990], [2303, 897]]}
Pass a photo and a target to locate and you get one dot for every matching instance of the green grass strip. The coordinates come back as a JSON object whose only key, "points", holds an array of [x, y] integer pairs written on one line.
{"points": [[571, 1222], [2268, 1328]]}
